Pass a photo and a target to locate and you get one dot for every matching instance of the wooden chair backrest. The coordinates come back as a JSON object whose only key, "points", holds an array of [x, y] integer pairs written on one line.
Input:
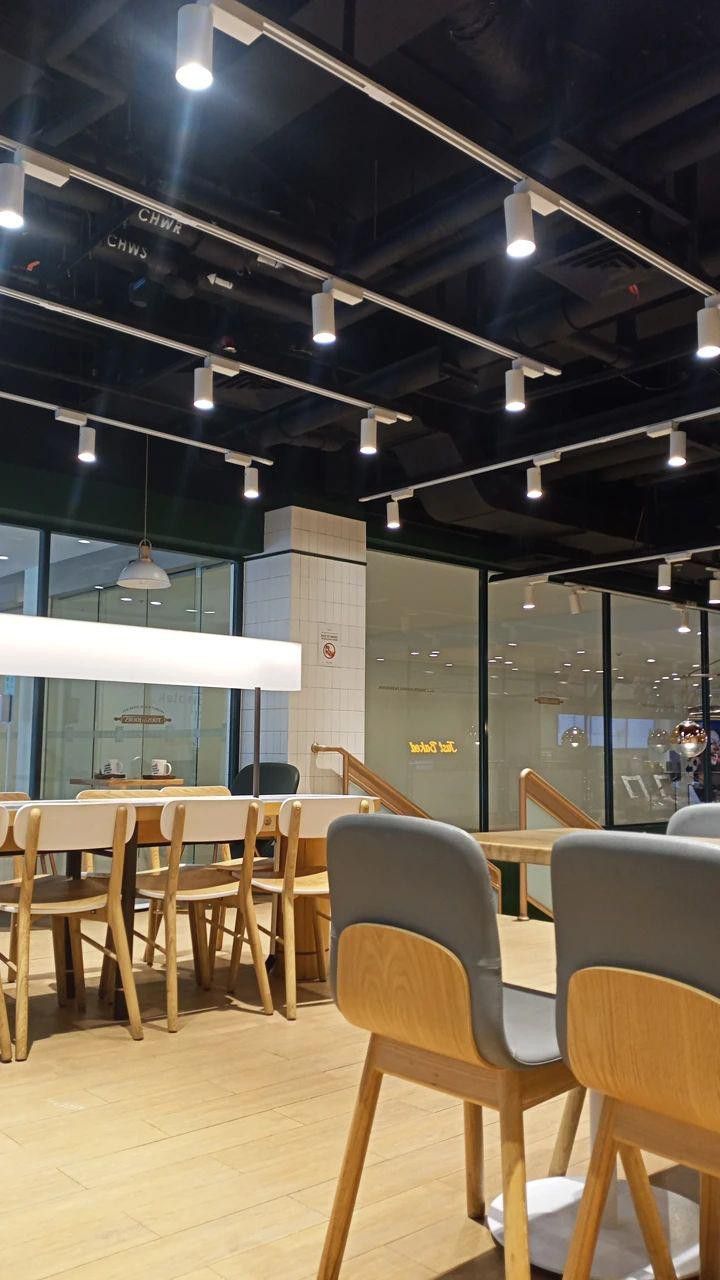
{"points": [[14, 795], [196, 791], [66, 825], [210, 820], [648, 1041], [4, 823], [309, 819], [119, 793], [406, 987]]}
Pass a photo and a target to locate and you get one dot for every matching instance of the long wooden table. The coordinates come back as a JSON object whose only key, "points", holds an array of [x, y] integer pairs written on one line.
{"points": [[147, 835], [527, 846]]}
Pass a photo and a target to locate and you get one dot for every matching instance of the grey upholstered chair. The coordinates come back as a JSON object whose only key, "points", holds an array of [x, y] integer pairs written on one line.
{"points": [[638, 953], [415, 960], [695, 820]]}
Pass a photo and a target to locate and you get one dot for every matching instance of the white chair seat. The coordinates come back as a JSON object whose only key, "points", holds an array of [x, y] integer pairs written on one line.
{"points": [[195, 884], [314, 884], [57, 895]]}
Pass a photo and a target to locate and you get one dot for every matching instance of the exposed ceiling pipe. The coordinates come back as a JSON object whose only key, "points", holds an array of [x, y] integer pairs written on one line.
{"points": [[61, 55]]}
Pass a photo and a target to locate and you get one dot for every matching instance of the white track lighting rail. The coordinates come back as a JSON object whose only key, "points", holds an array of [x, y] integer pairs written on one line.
{"points": [[244, 24]]}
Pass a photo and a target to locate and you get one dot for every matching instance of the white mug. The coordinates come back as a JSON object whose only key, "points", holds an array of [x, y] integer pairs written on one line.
{"points": [[112, 767], [161, 768]]}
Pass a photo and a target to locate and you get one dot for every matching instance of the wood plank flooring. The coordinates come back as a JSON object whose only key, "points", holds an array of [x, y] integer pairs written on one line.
{"points": [[214, 1152]]}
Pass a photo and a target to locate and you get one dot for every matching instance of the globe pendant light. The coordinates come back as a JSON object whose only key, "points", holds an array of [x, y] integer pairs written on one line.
{"points": [[143, 573], [574, 737], [688, 739]]}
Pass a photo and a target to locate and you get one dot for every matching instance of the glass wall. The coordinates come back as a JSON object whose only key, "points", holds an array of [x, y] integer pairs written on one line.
{"points": [[422, 732], [714, 686], [656, 681], [91, 725], [19, 558], [545, 705]]}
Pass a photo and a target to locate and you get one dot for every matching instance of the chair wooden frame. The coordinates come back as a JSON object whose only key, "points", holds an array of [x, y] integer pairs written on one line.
{"points": [[285, 887], [413, 996], [72, 910], [651, 1046], [237, 874]]}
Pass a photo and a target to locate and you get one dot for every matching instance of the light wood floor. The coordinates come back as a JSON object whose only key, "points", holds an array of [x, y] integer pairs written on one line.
{"points": [[214, 1152]]}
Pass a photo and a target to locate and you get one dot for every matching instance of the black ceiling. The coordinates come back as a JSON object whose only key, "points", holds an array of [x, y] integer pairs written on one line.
{"points": [[615, 105]]}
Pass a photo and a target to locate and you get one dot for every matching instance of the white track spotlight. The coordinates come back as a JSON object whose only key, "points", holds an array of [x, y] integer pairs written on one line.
{"points": [[12, 192], [515, 388], [677, 456], [664, 582], [519, 224], [708, 329], [393, 514], [684, 623], [368, 434], [251, 483], [193, 68], [323, 318], [203, 387], [714, 589], [86, 445], [534, 482], [529, 601], [575, 602]]}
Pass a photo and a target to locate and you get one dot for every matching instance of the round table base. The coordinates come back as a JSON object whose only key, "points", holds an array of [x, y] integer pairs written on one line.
{"points": [[620, 1254]]}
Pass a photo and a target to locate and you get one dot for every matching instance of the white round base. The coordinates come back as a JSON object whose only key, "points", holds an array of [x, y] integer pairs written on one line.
{"points": [[621, 1253]]}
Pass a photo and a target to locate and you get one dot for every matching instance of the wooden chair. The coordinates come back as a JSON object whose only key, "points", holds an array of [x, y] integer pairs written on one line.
{"points": [[5, 1040], [639, 1021], [69, 825], [220, 852], [206, 820], [415, 960], [306, 818], [47, 864]]}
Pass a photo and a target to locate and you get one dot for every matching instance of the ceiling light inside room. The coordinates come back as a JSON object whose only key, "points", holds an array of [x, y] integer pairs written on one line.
{"points": [[708, 329], [677, 455], [664, 582], [519, 230], [684, 623], [534, 483], [714, 590], [251, 483], [143, 573], [86, 445], [368, 434], [515, 389], [12, 193], [323, 318], [575, 602], [203, 387], [193, 67], [393, 514], [529, 601]]}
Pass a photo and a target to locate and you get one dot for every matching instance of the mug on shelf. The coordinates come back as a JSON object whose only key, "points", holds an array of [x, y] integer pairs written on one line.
{"points": [[112, 768], [161, 768]]}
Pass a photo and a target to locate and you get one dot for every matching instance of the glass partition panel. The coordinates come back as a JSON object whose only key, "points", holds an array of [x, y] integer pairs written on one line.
{"points": [[421, 718], [19, 555], [91, 725], [544, 696], [714, 674], [655, 669]]}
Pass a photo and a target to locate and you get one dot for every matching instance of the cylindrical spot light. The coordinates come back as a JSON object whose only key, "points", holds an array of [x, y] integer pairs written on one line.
{"points": [[12, 191], [534, 483], [514, 390], [393, 514], [203, 386], [519, 224], [708, 332], [368, 435], [86, 445], [323, 318], [575, 603], [193, 68], [714, 592], [684, 623], [529, 601], [251, 483], [664, 576], [677, 457]]}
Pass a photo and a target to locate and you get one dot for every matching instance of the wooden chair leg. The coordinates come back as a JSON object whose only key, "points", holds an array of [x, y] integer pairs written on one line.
{"points": [[215, 936], [124, 963], [236, 952], [5, 1039], [351, 1171], [154, 918], [22, 989], [474, 1161], [222, 917], [248, 920], [709, 1227], [288, 919], [58, 938], [171, 977], [12, 967], [599, 1175], [647, 1213], [106, 989], [74, 926], [192, 920], [198, 910], [567, 1132], [512, 1157], [319, 944]]}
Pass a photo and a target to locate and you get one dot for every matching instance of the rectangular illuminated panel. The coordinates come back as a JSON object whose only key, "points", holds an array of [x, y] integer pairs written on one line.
{"points": [[66, 650]]}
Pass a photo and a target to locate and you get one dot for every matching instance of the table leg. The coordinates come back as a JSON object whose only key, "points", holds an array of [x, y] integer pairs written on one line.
{"points": [[127, 903], [74, 871]]}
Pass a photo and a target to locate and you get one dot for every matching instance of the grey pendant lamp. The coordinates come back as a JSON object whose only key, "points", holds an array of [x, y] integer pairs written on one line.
{"points": [[143, 573]]}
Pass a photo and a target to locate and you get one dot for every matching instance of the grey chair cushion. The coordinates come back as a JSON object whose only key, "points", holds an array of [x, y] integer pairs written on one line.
{"points": [[695, 820], [643, 902], [432, 879]]}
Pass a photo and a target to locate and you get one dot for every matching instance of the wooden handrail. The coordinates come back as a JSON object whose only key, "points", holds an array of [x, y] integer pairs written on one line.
{"points": [[353, 770], [532, 786]]}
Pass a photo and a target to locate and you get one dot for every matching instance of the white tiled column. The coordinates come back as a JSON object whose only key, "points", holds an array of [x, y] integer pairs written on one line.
{"points": [[309, 585]]}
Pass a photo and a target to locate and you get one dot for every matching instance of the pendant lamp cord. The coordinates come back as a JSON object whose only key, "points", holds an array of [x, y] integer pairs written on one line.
{"points": [[147, 473]]}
